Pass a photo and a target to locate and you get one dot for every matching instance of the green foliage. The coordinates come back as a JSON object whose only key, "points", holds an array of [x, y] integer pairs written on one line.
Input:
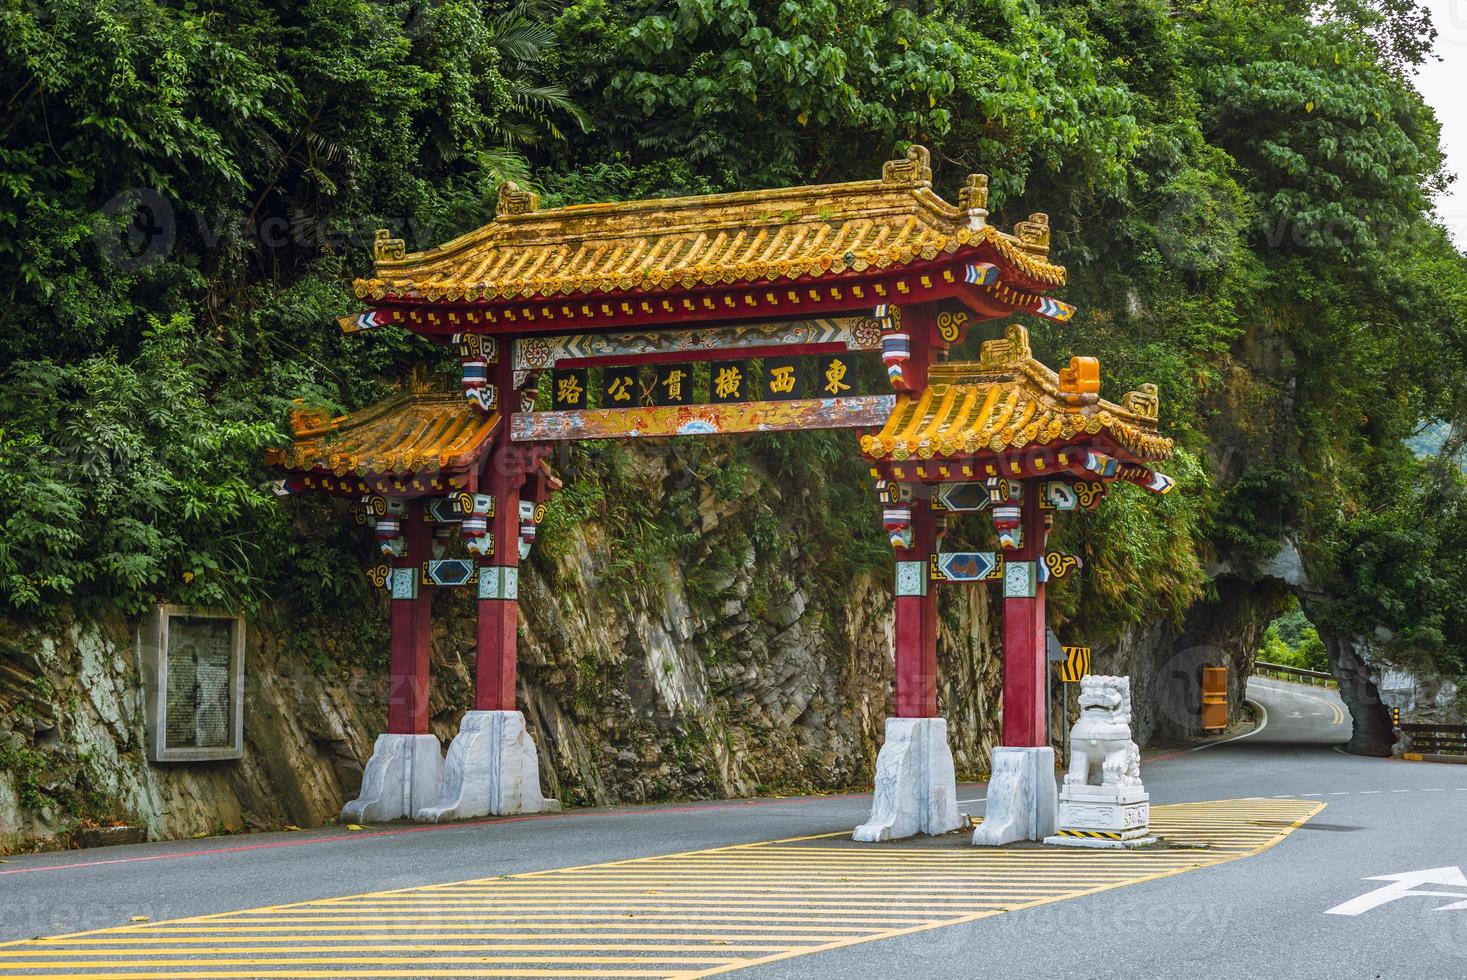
{"points": [[1293, 641], [1240, 191], [184, 189], [1142, 554], [125, 481], [1397, 571]]}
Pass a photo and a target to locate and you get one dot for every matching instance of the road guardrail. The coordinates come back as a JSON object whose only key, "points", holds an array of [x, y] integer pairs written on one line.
{"points": [[1283, 672], [1430, 740]]}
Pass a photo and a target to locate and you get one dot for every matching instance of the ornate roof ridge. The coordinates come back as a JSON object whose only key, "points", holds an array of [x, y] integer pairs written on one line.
{"points": [[424, 429], [757, 235], [1006, 357], [1010, 400], [694, 203]]}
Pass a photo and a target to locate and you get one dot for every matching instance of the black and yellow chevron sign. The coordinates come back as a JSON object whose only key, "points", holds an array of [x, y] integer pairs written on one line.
{"points": [[1075, 665]]}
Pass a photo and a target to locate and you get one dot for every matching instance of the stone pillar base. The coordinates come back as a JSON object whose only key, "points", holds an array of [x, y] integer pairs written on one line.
{"points": [[916, 785], [1073, 838], [492, 768], [1021, 797], [404, 773], [1103, 816]]}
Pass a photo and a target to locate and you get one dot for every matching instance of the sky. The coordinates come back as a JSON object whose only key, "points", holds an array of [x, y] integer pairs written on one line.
{"points": [[1443, 84]]}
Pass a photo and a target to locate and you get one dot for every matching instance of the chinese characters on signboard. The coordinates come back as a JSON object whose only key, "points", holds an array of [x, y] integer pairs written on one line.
{"points": [[687, 383]]}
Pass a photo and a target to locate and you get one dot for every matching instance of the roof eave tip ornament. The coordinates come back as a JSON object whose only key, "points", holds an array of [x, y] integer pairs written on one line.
{"points": [[1033, 235], [973, 198], [512, 200], [914, 169], [1144, 402], [385, 248]]}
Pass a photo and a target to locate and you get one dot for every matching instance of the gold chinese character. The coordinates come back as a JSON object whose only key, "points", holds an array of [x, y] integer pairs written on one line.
{"points": [[620, 390], [674, 383], [833, 375], [569, 390], [782, 379], [728, 382]]}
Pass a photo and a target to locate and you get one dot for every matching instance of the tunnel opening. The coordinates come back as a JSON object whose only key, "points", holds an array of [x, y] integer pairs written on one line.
{"points": [[1291, 640]]}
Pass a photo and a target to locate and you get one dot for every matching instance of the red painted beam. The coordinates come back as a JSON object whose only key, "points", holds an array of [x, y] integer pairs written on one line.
{"points": [[1031, 461], [856, 293], [700, 356]]}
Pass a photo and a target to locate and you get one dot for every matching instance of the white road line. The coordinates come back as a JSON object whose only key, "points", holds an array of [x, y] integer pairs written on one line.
{"points": [[1434, 789], [1337, 794], [1400, 791], [1261, 726], [980, 799], [1311, 794], [1366, 792]]}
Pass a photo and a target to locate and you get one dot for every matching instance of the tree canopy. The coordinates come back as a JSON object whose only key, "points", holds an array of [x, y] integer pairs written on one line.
{"points": [[1241, 190]]}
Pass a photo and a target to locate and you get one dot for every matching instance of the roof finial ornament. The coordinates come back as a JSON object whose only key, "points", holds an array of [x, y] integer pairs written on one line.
{"points": [[1079, 384], [1008, 352], [974, 195], [512, 200], [1143, 402], [1034, 233], [915, 168], [385, 248]]}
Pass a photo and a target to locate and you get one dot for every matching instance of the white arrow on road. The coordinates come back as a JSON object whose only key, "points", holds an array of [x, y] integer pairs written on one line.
{"points": [[1403, 885]]}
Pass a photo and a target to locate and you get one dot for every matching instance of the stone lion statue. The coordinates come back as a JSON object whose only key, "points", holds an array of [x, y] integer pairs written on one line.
{"points": [[1101, 738]]}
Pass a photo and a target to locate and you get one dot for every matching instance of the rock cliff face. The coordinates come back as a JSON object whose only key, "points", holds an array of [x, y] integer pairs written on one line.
{"points": [[72, 736], [736, 661], [728, 669]]}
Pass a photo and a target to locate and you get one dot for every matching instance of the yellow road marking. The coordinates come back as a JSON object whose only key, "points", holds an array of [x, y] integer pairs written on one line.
{"points": [[685, 915], [427, 948]]}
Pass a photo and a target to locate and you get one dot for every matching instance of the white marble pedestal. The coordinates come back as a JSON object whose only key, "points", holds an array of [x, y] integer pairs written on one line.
{"points": [[1103, 816], [404, 773], [492, 768], [1020, 797], [916, 784]]}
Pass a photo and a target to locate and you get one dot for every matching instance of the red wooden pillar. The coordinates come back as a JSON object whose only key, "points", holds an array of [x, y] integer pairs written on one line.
{"points": [[1024, 663], [499, 606], [411, 621], [496, 653], [916, 620]]}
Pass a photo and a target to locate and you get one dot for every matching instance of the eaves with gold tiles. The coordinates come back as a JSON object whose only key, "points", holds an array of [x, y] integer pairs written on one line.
{"points": [[421, 432], [795, 233], [1007, 401]]}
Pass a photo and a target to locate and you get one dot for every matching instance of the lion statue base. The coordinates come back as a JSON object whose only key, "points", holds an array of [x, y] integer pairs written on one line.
{"points": [[1103, 802]]}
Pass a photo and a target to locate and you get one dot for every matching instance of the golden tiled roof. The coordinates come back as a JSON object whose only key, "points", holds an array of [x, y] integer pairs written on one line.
{"points": [[420, 432], [753, 236], [1007, 401]]}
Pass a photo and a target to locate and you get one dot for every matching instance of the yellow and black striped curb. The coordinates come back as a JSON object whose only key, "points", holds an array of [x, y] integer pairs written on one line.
{"points": [[680, 915]]}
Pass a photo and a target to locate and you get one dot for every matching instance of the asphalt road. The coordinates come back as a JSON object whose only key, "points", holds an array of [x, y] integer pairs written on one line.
{"points": [[1260, 916]]}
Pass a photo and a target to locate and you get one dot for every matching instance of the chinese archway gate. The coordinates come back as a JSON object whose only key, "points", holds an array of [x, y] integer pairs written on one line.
{"points": [[762, 300]]}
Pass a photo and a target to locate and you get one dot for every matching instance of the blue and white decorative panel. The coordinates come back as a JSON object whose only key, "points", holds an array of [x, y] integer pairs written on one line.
{"points": [[968, 566], [450, 571], [911, 578], [1020, 580], [404, 583], [499, 582]]}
